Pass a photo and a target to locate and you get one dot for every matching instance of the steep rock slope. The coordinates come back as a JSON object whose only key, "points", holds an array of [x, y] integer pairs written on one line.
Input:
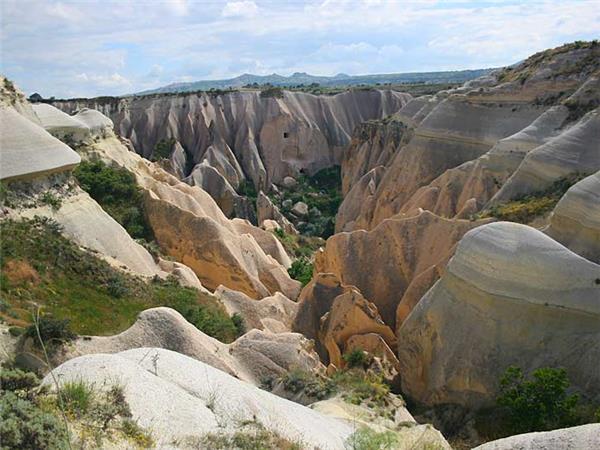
{"points": [[510, 296], [189, 226], [394, 264], [500, 130], [180, 399], [575, 222], [269, 137]]}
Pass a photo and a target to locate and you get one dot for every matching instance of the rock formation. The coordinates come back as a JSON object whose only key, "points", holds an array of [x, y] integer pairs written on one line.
{"points": [[575, 222], [510, 296], [583, 436], [275, 313], [189, 226], [268, 138], [266, 210], [180, 399], [511, 133], [252, 357], [394, 264], [351, 315]]}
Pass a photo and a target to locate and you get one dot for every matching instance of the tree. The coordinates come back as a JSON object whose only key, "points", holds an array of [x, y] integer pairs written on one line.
{"points": [[539, 403]]}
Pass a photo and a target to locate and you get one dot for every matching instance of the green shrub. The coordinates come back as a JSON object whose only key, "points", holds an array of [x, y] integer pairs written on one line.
{"points": [[163, 149], [537, 404], [77, 397], [301, 270], [23, 425], [238, 323], [17, 380], [367, 439], [356, 358], [312, 385], [50, 199], [52, 331], [116, 190], [526, 208]]}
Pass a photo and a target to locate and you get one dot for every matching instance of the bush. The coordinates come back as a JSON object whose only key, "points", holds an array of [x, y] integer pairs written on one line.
{"points": [[301, 270], [76, 397], [163, 149], [273, 91], [24, 425], [52, 331], [17, 380], [238, 323], [356, 358], [116, 190], [312, 385], [537, 404], [367, 439], [50, 199]]}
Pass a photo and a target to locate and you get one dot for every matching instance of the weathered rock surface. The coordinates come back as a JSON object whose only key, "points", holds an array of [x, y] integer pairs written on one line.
{"points": [[275, 313], [98, 123], [189, 226], [581, 437], [350, 314], [60, 124], [267, 138], [314, 302], [577, 150], [511, 133], [28, 150], [252, 357], [394, 264], [409, 435], [575, 221], [180, 399], [266, 210], [510, 296]]}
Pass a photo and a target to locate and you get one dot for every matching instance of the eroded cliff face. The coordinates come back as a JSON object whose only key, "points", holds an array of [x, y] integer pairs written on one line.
{"points": [[499, 137], [243, 135]]}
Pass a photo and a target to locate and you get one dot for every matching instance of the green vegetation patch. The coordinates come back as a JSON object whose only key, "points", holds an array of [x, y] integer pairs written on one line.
{"points": [[116, 190], [525, 209], [40, 267], [322, 193], [163, 149], [252, 435], [367, 439], [76, 416], [301, 270]]}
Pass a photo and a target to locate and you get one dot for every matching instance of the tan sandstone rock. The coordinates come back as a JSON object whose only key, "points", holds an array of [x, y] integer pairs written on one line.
{"points": [[510, 296], [351, 314], [575, 221]]}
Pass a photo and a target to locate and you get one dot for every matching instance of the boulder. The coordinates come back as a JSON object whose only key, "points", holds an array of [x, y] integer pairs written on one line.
{"points": [[196, 399], [581, 437], [99, 125], [300, 209], [510, 296], [575, 221], [289, 182]]}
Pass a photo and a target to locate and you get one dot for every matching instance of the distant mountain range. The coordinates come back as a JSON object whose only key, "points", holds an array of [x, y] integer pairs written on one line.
{"points": [[339, 80]]}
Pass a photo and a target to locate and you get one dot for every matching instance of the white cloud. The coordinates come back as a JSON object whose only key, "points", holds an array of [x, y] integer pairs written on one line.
{"points": [[245, 8], [111, 80]]}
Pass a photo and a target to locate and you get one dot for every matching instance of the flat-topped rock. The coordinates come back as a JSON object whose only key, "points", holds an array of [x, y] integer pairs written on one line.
{"points": [[28, 151], [60, 124]]}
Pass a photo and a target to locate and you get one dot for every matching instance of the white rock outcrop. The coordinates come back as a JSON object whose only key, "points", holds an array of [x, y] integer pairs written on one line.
{"points": [[180, 399], [575, 438], [60, 124]]}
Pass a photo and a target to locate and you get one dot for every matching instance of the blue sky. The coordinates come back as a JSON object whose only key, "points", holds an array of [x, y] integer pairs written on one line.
{"points": [[88, 48]]}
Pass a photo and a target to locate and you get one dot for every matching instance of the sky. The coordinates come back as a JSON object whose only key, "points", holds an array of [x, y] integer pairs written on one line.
{"points": [[90, 48]]}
